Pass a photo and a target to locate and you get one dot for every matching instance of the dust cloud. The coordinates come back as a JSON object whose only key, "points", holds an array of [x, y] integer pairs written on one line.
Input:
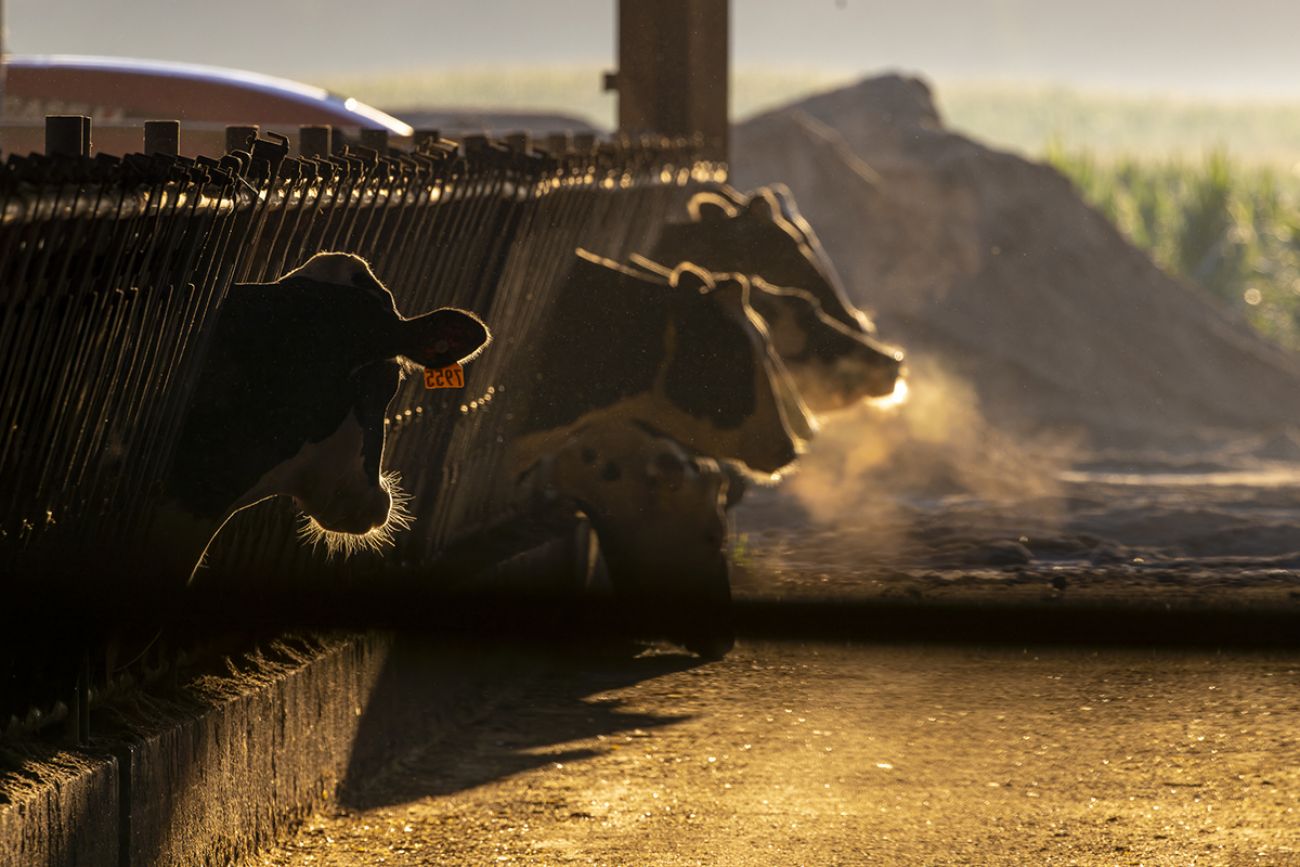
{"points": [[877, 470]]}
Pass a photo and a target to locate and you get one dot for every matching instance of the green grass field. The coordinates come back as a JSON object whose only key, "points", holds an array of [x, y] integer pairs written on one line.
{"points": [[1210, 189], [1231, 227]]}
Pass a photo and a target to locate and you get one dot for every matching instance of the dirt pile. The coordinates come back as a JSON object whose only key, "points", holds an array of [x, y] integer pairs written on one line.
{"points": [[1072, 407], [991, 268]]}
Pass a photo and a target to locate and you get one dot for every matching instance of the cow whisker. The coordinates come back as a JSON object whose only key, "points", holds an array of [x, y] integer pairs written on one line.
{"points": [[374, 540]]}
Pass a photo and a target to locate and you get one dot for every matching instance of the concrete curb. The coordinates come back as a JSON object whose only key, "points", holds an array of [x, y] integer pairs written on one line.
{"points": [[67, 814], [231, 765]]}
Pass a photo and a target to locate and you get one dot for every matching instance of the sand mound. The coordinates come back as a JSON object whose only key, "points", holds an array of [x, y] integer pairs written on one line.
{"points": [[992, 267], [1281, 446]]}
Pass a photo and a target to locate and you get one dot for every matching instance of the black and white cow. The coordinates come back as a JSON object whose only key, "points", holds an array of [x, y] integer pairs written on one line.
{"points": [[291, 401], [657, 511], [683, 354], [827, 344]]}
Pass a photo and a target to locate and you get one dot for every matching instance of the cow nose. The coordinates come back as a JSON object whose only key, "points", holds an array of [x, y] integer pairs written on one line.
{"points": [[895, 369], [879, 373], [355, 514], [374, 507]]}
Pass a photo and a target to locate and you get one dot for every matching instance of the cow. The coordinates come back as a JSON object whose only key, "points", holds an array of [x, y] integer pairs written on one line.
{"points": [[682, 353], [657, 511], [290, 401], [827, 344]]}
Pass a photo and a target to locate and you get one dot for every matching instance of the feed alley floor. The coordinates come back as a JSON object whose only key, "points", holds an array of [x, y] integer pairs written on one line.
{"points": [[807, 753]]}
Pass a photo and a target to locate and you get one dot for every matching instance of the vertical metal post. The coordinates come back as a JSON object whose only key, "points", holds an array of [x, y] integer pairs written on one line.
{"points": [[375, 139], [559, 143], [672, 78], [425, 138], [315, 141], [3, 43], [83, 698], [520, 142], [240, 138], [162, 137], [77, 725], [67, 135]]}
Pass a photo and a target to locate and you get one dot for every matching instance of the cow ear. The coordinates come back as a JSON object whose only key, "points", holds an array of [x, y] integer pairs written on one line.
{"points": [[443, 337], [688, 275], [710, 207], [763, 205]]}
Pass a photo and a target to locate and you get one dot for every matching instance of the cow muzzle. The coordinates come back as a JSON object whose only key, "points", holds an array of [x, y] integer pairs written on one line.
{"points": [[874, 375], [354, 512]]}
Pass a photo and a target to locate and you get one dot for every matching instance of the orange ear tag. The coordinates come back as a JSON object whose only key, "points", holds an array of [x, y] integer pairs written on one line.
{"points": [[451, 376]]}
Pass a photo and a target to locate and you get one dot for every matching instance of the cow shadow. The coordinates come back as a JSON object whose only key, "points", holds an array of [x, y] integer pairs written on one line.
{"points": [[448, 717]]}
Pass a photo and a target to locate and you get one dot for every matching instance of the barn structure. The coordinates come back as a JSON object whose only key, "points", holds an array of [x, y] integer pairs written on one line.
{"points": [[115, 270]]}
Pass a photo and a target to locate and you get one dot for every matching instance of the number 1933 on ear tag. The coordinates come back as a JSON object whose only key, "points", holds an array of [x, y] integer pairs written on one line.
{"points": [[451, 376]]}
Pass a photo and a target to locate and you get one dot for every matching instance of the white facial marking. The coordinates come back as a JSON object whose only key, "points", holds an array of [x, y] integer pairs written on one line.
{"points": [[780, 419]]}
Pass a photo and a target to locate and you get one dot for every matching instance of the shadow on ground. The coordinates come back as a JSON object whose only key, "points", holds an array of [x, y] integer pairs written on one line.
{"points": [[428, 710]]}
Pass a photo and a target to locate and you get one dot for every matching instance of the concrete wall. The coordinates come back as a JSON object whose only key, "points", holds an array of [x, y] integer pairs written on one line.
{"points": [[65, 813], [232, 762]]}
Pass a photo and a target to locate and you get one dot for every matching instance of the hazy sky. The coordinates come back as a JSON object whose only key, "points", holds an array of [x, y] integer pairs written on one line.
{"points": [[1194, 46]]}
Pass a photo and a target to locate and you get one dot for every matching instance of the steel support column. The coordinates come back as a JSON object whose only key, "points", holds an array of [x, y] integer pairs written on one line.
{"points": [[673, 70]]}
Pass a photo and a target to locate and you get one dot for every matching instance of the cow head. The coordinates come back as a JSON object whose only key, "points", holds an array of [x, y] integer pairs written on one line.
{"points": [[762, 234], [292, 398], [658, 514], [733, 392], [832, 366], [677, 349]]}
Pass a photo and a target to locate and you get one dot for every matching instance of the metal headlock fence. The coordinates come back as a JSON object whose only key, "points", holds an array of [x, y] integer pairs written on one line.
{"points": [[113, 269]]}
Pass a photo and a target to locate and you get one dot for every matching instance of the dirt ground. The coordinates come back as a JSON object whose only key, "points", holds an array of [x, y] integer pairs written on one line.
{"points": [[1216, 528], [841, 754], [794, 753]]}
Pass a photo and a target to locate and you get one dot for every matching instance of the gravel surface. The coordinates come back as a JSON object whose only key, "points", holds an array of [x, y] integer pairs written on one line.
{"points": [[840, 754]]}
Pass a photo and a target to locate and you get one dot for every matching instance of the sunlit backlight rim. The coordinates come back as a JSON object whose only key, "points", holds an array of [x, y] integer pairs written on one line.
{"points": [[374, 540], [895, 398]]}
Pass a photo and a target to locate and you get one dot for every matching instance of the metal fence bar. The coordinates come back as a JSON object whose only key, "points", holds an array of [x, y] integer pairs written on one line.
{"points": [[112, 271]]}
